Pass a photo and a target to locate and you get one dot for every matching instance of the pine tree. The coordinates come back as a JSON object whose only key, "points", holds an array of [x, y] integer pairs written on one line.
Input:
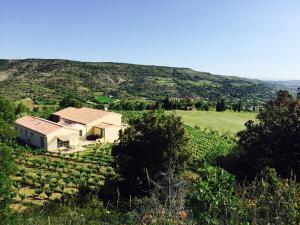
{"points": [[239, 108]]}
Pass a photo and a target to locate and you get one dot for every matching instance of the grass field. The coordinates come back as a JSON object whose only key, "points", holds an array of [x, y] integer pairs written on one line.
{"points": [[103, 99], [220, 121]]}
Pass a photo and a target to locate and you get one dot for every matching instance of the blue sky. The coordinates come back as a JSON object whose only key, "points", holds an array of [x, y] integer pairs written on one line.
{"points": [[256, 39]]}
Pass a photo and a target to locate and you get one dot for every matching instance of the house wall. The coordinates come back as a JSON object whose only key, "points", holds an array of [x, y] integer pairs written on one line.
{"points": [[111, 134], [52, 137], [112, 118], [79, 127], [31, 137]]}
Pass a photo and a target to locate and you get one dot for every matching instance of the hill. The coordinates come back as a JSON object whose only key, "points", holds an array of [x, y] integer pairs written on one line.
{"points": [[290, 85], [53, 78]]}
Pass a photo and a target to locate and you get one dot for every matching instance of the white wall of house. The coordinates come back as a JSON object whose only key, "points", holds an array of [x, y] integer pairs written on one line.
{"points": [[73, 136], [49, 141], [31, 137], [79, 127], [111, 134]]}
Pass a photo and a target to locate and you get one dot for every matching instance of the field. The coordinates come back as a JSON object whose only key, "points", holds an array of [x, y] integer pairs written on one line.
{"points": [[222, 122], [43, 176], [103, 99]]}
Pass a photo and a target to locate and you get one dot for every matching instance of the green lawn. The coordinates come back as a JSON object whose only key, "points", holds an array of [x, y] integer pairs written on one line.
{"points": [[220, 121], [103, 99]]}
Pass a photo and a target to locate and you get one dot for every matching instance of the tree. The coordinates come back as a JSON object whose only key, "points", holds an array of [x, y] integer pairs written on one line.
{"points": [[7, 110], [149, 146], [239, 106], [6, 193], [190, 102], [271, 142], [142, 106], [70, 102], [298, 93], [199, 105], [21, 108], [220, 106], [7, 133]]}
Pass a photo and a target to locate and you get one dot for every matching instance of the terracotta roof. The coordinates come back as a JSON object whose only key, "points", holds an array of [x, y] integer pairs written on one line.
{"points": [[37, 124], [82, 115]]}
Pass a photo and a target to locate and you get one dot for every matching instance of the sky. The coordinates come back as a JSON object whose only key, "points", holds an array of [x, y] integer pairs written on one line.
{"points": [[254, 39]]}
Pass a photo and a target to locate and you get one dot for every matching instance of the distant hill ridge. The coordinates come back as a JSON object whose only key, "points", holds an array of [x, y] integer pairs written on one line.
{"points": [[54, 78]]}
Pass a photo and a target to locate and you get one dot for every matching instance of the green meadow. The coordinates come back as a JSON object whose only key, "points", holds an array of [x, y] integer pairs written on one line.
{"points": [[222, 122], [103, 99]]}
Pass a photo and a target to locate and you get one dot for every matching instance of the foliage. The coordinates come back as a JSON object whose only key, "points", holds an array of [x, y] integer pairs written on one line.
{"points": [[53, 78], [6, 193], [149, 146], [133, 105], [220, 106], [21, 108], [216, 199], [272, 142], [269, 200], [207, 145], [92, 212], [213, 197], [70, 102], [166, 203], [7, 117], [7, 133], [44, 112], [7, 110], [103, 99]]}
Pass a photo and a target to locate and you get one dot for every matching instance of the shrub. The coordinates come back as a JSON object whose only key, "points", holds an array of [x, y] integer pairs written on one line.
{"points": [[213, 197]]}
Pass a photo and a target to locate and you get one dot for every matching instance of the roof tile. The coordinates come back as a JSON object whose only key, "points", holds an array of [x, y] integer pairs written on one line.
{"points": [[37, 124], [81, 115]]}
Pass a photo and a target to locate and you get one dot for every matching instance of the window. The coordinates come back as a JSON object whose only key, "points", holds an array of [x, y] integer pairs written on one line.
{"points": [[31, 134], [26, 133], [80, 133]]}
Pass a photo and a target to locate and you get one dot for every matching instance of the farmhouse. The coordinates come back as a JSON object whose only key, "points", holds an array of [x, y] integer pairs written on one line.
{"points": [[69, 128]]}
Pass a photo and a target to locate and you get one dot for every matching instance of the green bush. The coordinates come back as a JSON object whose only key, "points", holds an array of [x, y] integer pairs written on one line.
{"points": [[213, 197]]}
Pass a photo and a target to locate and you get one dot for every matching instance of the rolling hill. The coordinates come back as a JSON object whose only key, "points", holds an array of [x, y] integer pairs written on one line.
{"points": [[290, 85], [53, 78]]}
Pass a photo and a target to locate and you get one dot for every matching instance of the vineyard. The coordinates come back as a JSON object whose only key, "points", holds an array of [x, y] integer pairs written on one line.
{"points": [[207, 144], [43, 176]]}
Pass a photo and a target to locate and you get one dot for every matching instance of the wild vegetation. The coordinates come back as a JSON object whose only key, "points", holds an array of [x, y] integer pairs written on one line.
{"points": [[41, 79], [161, 171]]}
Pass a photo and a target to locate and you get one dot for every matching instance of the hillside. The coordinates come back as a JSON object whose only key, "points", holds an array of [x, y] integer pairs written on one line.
{"points": [[51, 78], [290, 85]]}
